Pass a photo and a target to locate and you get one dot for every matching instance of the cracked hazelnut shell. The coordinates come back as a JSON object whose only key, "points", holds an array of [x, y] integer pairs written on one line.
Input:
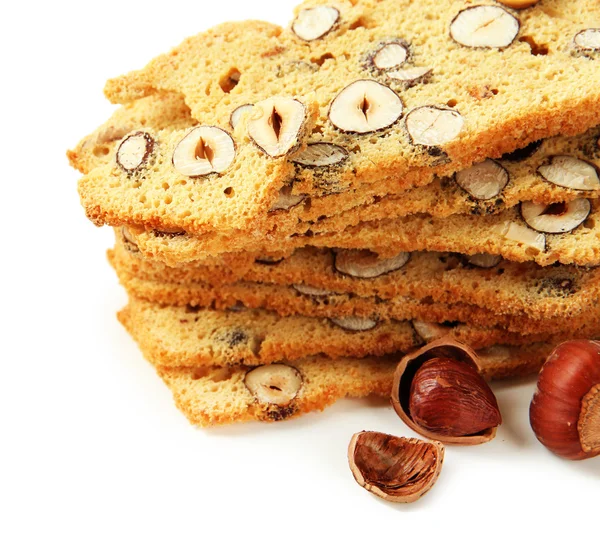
{"points": [[393, 468], [565, 410], [459, 353]]}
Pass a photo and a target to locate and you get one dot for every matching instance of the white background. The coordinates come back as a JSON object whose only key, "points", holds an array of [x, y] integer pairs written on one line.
{"points": [[92, 448]]}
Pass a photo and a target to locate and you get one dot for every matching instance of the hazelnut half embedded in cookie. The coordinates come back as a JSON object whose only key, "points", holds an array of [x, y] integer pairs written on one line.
{"points": [[364, 264], [276, 125], [286, 200], [433, 125], [313, 23], [588, 40], [354, 324], [205, 150], [389, 56], [570, 172], [484, 180], [134, 151], [237, 113], [484, 260], [311, 291], [321, 154], [365, 106], [410, 76], [556, 218], [484, 26], [524, 235], [276, 384]]}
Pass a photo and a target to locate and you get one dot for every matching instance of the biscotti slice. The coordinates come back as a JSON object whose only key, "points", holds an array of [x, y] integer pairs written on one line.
{"points": [[305, 301], [183, 336], [484, 280], [364, 73], [532, 174]]}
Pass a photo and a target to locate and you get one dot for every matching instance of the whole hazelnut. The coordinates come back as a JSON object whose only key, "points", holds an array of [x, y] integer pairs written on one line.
{"points": [[439, 392], [565, 410]]}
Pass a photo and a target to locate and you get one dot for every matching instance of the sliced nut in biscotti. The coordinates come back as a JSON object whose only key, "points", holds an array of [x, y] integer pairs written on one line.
{"points": [[313, 23], [484, 180], [556, 218], [311, 291], [277, 384], [276, 125], [567, 171], [524, 235], [321, 154], [484, 260], [364, 264], [205, 150], [429, 331], [365, 106], [588, 40], [484, 26], [519, 4], [354, 324], [237, 113], [432, 125], [410, 76], [286, 200], [129, 242], [391, 55], [134, 151]]}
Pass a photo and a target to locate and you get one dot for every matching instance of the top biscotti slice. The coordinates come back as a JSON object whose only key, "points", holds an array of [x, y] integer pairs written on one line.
{"points": [[499, 79]]}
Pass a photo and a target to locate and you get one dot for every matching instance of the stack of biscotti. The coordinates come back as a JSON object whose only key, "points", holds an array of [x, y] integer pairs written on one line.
{"points": [[296, 207]]}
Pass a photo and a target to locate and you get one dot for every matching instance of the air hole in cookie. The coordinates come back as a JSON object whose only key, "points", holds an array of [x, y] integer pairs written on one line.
{"points": [[101, 151], [589, 223], [229, 192], [166, 186], [321, 60], [536, 48], [222, 375], [452, 103], [230, 81], [168, 199], [200, 373], [363, 22]]}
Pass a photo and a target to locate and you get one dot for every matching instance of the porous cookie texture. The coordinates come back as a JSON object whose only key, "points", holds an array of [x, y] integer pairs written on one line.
{"points": [[174, 336], [554, 170], [507, 287], [156, 112], [301, 300], [210, 396], [506, 234], [464, 111]]}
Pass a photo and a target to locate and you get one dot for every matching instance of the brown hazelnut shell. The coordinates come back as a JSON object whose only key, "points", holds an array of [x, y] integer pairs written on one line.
{"points": [[396, 469], [405, 371]]}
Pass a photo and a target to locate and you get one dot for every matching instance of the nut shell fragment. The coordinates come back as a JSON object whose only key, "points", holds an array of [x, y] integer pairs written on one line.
{"points": [[134, 151], [314, 23], [570, 172], [276, 384], [365, 106], [277, 124], [556, 218], [403, 378], [312, 291], [484, 180], [204, 150], [321, 154], [364, 264], [484, 26], [393, 468], [432, 125]]}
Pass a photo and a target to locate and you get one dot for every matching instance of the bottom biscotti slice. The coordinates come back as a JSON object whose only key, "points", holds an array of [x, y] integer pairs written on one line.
{"points": [[180, 336], [216, 395]]}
